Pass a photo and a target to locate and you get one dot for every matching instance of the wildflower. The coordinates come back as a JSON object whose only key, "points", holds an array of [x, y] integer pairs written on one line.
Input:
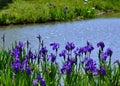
{"points": [[17, 50], [77, 52], [26, 67], [104, 56], [21, 44], [16, 66], [117, 61], [55, 46], [28, 70], [95, 71], [90, 66], [67, 66], [109, 52], [42, 81], [82, 50], [101, 44], [43, 52], [85, 60], [69, 46], [30, 55], [85, 49], [63, 53], [53, 57], [25, 62], [16, 53], [35, 82], [102, 70], [72, 61], [89, 47]]}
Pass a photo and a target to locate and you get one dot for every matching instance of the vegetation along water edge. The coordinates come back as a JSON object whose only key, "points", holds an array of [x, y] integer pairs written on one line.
{"points": [[71, 66], [40, 11]]}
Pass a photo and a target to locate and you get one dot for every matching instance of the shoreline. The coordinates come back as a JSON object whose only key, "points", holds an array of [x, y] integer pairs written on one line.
{"points": [[78, 18], [36, 12]]}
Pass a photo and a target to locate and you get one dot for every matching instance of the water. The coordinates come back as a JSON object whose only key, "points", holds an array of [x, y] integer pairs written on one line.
{"points": [[79, 32]]}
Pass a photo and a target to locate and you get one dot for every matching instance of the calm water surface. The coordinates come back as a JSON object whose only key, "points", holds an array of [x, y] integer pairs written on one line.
{"points": [[79, 32]]}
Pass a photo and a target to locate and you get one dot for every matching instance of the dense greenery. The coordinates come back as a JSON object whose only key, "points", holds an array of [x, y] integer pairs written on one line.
{"points": [[20, 66], [37, 11]]}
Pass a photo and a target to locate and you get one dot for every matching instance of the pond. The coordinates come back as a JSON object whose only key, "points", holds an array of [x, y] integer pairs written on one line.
{"points": [[79, 32]]}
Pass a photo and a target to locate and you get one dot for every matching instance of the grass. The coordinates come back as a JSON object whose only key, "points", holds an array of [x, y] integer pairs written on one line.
{"points": [[39, 11], [20, 66]]}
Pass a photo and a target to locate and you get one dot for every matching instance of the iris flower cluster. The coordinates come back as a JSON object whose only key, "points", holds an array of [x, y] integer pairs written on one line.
{"points": [[106, 54], [67, 66], [18, 63], [39, 79], [91, 67], [74, 59]]}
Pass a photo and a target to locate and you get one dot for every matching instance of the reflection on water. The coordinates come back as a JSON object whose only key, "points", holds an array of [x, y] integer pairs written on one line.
{"points": [[95, 30]]}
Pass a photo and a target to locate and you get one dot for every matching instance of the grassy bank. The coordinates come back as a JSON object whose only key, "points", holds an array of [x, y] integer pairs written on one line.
{"points": [[38, 11]]}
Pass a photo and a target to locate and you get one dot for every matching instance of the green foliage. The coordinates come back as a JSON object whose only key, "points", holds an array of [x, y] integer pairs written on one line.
{"points": [[37, 11], [51, 71]]}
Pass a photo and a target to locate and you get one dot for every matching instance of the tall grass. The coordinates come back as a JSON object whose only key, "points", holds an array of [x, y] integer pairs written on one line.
{"points": [[20, 66], [37, 11]]}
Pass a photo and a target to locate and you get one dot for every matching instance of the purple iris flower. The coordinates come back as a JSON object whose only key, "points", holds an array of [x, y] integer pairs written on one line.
{"points": [[104, 56], [16, 51], [55, 46], [42, 81], [95, 71], [102, 70], [52, 57], [117, 61], [28, 70], [69, 46], [90, 48], [43, 52], [85, 49], [67, 66], [109, 52], [16, 66], [90, 65], [85, 60], [63, 53], [30, 55], [101, 44], [72, 61], [26, 67], [77, 52], [21, 44], [35, 82]]}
